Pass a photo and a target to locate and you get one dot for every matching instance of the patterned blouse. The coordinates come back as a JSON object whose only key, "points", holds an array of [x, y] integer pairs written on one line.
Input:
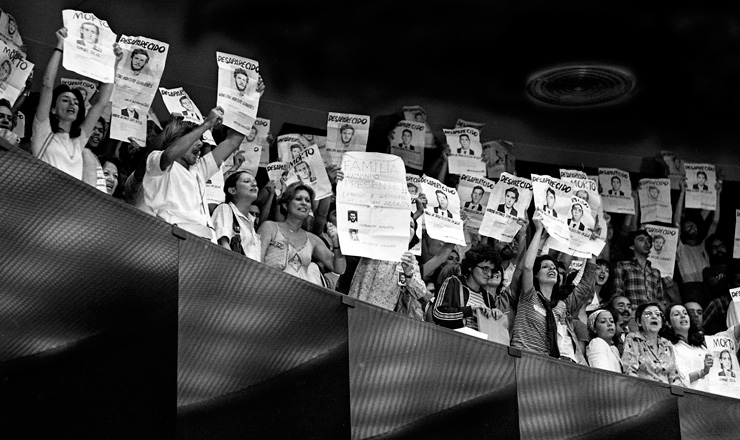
{"points": [[641, 360]]}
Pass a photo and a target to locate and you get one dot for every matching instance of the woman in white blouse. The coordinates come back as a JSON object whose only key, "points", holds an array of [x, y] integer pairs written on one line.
{"points": [[601, 351]]}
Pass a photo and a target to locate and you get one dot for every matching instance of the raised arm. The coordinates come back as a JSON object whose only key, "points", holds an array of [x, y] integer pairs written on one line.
{"points": [[50, 76], [333, 260], [106, 90], [715, 219], [181, 146], [531, 255], [678, 210]]}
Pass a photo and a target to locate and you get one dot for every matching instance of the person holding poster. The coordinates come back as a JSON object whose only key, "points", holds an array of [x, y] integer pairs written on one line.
{"points": [[511, 196], [289, 248], [692, 358], [175, 179], [691, 255], [61, 127], [700, 193], [385, 283]]}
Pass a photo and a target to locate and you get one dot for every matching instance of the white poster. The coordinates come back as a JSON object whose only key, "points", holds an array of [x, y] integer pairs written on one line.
{"points": [[88, 48], [178, 101], [413, 184], [215, 188], [701, 193], [499, 158], [372, 206], [308, 167], [736, 248], [345, 133], [407, 142], [249, 155], [277, 172], [572, 174], [9, 32], [663, 253], [655, 201], [724, 376], [86, 88], [474, 192], [507, 208], [466, 152], [552, 197], [237, 91], [442, 213], [319, 141], [587, 189], [137, 80], [14, 71], [675, 171], [289, 147], [414, 113], [616, 191]]}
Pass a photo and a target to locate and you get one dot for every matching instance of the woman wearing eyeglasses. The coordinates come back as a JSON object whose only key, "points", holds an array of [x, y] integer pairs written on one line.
{"points": [[646, 354], [460, 297]]}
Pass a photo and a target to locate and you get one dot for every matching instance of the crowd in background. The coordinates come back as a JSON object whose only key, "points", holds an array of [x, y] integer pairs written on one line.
{"points": [[613, 311]]}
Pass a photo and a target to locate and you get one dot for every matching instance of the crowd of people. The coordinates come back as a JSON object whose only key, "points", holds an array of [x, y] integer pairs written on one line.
{"points": [[612, 311]]}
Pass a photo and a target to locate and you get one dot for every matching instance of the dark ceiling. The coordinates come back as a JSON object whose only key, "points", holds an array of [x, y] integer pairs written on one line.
{"points": [[468, 59]]}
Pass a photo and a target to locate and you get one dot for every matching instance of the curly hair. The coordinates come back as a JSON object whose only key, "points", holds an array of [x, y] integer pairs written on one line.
{"points": [[476, 255]]}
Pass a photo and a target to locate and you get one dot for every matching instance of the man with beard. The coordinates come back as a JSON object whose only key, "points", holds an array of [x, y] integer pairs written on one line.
{"points": [[691, 254], [636, 279], [241, 80], [623, 305], [139, 60]]}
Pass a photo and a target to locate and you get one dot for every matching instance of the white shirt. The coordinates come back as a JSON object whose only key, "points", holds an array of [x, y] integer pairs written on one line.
{"points": [[62, 152], [604, 356], [177, 194], [223, 221]]}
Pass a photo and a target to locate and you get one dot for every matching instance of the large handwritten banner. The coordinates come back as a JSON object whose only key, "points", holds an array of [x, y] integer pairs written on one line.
{"points": [[701, 193], [507, 206], [442, 213], [466, 152], [14, 71], [655, 200], [407, 142], [137, 80], [88, 48], [372, 206], [237, 91], [616, 191], [345, 133]]}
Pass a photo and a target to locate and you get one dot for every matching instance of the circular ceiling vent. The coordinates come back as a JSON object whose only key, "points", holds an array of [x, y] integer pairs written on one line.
{"points": [[581, 85]]}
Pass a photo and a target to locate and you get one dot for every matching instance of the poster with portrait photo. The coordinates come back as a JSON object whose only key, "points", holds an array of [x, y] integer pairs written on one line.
{"points": [[137, 81], [663, 253], [85, 87], [701, 192], [10, 34], [14, 71], [466, 152], [655, 200], [552, 197], [499, 158], [345, 133], [587, 189], [277, 172], [319, 141], [474, 192], [215, 188], [308, 167], [289, 146], [88, 48], [581, 224], [179, 103], [245, 158], [507, 208], [442, 212], [237, 91], [414, 113], [372, 206], [724, 376], [616, 191], [407, 142]]}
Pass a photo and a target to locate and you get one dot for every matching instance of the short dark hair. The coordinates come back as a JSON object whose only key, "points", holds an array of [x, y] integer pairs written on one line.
{"points": [[634, 234], [480, 188], [617, 177], [140, 51], [406, 130], [702, 173], [514, 191], [478, 254]]}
